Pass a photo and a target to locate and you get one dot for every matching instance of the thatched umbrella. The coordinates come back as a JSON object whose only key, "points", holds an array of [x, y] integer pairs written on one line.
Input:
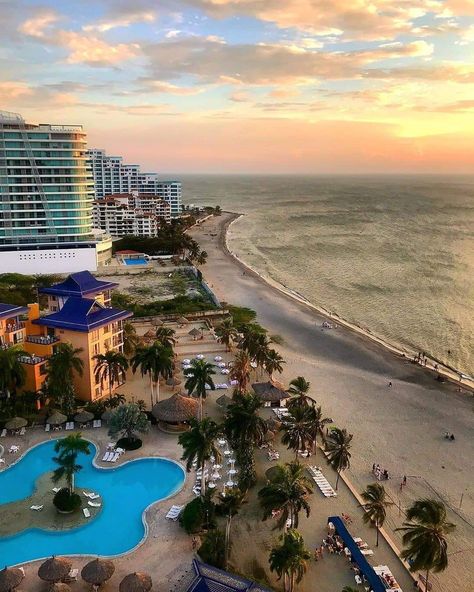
{"points": [[194, 333], [224, 401], [56, 418], [183, 321], [16, 423], [176, 409], [136, 582], [107, 415], [270, 391], [273, 472], [84, 416], [98, 571], [173, 381], [150, 334], [157, 322], [10, 578], [269, 436], [273, 424], [54, 569], [60, 587]]}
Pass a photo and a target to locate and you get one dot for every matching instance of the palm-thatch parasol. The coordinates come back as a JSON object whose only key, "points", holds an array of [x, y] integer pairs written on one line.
{"points": [[107, 415], [157, 322], [84, 416], [269, 436], [56, 418], [173, 381], [273, 424], [54, 569], [150, 334], [136, 582], [224, 401], [10, 578], [98, 571], [273, 472], [183, 321], [176, 409], [16, 423], [270, 391], [59, 587], [194, 332]]}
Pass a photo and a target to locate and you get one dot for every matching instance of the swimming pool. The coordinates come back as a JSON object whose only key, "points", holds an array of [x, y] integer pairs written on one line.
{"points": [[135, 261], [126, 492]]}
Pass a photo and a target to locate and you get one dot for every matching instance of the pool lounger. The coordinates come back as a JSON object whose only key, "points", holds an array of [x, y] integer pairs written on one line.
{"points": [[115, 457], [47, 427], [174, 512], [4, 433], [107, 456], [72, 575], [36, 508], [86, 512], [56, 489], [22, 431], [97, 423], [94, 504]]}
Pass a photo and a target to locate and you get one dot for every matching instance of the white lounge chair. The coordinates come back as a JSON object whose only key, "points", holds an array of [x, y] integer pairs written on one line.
{"points": [[36, 508], [22, 431], [97, 423], [115, 456], [108, 456], [94, 504], [4, 433], [56, 489], [366, 551], [174, 512], [86, 512], [47, 427], [72, 575], [2, 461], [94, 496]]}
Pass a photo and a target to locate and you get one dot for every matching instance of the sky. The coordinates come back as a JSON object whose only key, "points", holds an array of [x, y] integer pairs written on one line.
{"points": [[257, 86]]}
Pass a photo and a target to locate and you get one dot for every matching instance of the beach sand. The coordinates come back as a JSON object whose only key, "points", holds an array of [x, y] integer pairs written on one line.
{"points": [[401, 427]]}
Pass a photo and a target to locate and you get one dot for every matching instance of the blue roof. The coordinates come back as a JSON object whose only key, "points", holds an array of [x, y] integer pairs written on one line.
{"points": [[82, 283], [83, 314], [211, 579], [11, 310]]}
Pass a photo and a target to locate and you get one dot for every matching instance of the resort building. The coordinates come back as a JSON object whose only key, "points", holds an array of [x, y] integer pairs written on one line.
{"points": [[132, 213], [112, 176], [46, 193]]}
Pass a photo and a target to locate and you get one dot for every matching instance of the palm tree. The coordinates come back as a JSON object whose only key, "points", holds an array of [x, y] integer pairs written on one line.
{"points": [[286, 493], [240, 370], [425, 530], [202, 258], [243, 426], [12, 372], [130, 339], [298, 429], [127, 420], [349, 589], [376, 502], [226, 333], [61, 369], [166, 336], [230, 504], [317, 423], [197, 378], [289, 560], [273, 363], [155, 360], [253, 338], [299, 388], [199, 443], [337, 445], [110, 367], [68, 449]]}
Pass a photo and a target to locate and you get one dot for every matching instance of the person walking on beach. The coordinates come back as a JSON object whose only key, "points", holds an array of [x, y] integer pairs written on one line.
{"points": [[390, 383]]}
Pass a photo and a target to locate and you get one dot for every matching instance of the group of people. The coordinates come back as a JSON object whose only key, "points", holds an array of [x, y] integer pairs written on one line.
{"points": [[381, 474], [332, 544], [389, 579], [449, 436]]}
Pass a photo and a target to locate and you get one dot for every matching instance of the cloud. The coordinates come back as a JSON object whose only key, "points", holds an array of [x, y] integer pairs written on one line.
{"points": [[239, 97], [160, 86], [95, 51], [444, 72], [120, 21], [40, 23], [12, 91]]}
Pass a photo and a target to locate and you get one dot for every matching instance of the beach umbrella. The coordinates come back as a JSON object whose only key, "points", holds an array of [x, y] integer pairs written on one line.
{"points": [[107, 415], [157, 322], [183, 321], [84, 416], [56, 418], [10, 578], [224, 401], [150, 334], [269, 436], [176, 409], [271, 391], [173, 381], [54, 569], [136, 582], [16, 423], [98, 571], [194, 332], [59, 587]]}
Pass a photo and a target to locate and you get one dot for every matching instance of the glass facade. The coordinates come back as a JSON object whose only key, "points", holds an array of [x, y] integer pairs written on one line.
{"points": [[46, 187]]}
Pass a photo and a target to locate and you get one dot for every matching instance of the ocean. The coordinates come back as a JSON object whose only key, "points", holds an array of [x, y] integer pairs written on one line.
{"points": [[392, 254]]}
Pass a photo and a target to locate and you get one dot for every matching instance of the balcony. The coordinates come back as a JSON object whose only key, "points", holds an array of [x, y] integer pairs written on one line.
{"points": [[32, 359], [42, 339], [13, 327]]}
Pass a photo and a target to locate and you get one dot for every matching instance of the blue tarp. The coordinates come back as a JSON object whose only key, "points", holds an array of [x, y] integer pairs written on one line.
{"points": [[356, 556]]}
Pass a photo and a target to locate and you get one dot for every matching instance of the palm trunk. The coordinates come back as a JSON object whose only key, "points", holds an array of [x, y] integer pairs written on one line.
{"points": [[337, 479], [158, 389], [377, 527], [203, 479], [151, 390], [71, 484], [426, 580], [110, 386], [200, 407], [292, 582], [227, 538]]}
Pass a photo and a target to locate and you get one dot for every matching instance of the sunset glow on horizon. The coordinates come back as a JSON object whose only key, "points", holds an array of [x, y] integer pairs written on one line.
{"points": [[271, 86]]}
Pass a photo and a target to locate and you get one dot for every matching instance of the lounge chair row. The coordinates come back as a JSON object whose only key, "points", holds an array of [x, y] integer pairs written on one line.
{"points": [[21, 432], [97, 423], [322, 482], [111, 457], [174, 512]]}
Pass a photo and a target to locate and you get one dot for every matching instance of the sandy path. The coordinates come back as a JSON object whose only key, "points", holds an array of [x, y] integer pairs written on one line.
{"points": [[400, 427]]}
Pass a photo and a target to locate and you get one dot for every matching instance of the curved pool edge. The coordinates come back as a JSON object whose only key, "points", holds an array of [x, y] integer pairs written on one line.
{"points": [[143, 517]]}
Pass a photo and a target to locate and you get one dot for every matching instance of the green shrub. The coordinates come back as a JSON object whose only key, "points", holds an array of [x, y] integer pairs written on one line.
{"points": [[212, 549], [129, 443], [65, 501], [193, 516], [241, 315]]}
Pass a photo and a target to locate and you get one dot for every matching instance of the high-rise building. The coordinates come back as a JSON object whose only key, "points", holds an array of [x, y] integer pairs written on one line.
{"points": [[112, 176], [46, 193]]}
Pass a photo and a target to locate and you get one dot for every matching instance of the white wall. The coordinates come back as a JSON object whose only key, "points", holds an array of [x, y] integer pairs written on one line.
{"points": [[48, 261]]}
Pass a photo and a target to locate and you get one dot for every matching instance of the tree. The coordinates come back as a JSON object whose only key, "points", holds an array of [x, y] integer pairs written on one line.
{"points": [[199, 443], [286, 493], [298, 429], [230, 504], [61, 368], [273, 363], [130, 339], [212, 549], [337, 445], [68, 449], [349, 589], [155, 360], [202, 258], [166, 336], [299, 388], [424, 538], [240, 370], [127, 420], [252, 339], [110, 367], [197, 378], [289, 560], [226, 333], [12, 372], [376, 502], [317, 423]]}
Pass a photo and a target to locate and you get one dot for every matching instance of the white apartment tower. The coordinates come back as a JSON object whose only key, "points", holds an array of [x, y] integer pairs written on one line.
{"points": [[112, 176], [46, 193]]}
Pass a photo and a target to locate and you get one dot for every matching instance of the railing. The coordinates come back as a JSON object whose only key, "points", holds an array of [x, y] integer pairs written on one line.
{"points": [[12, 327], [32, 359], [42, 339]]}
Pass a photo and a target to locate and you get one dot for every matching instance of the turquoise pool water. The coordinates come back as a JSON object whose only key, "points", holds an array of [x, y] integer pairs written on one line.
{"points": [[135, 261], [126, 491]]}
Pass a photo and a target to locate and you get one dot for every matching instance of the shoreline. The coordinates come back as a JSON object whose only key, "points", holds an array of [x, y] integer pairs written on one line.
{"points": [[446, 372]]}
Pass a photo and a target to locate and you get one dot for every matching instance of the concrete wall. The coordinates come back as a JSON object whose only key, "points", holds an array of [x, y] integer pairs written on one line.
{"points": [[65, 260]]}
